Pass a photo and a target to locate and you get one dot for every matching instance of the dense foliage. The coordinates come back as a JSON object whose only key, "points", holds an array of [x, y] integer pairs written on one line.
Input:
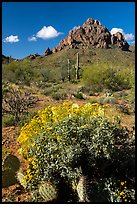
{"points": [[18, 72], [65, 142], [104, 76]]}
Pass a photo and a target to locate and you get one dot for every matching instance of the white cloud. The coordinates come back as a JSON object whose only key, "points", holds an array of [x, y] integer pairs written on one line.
{"points": [[33, 38], [11, 39], [115, 30], [128, 36], [47, 32]]}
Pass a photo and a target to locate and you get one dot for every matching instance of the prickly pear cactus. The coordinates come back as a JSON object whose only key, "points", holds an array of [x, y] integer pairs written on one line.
{"points": [[48, 191], [10, 164], [8, 178], [82, 189], [20, 178]]}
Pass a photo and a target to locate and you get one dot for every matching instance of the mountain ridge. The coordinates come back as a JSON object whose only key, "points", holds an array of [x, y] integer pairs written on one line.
{"points": [[92, 34]]}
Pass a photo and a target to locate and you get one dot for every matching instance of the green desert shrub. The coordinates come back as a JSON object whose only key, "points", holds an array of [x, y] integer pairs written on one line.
{"points": [[106, 100], [44, 85], [120, 94], [119, 78], [100, 76], [119, 191], [130, 97], [62, 143], [26, 118], [93, 77], [79, 95], [59, 95], [18, 72], [51, 90], [48, 74], [48, 91], [93, 100], [8, 120]]}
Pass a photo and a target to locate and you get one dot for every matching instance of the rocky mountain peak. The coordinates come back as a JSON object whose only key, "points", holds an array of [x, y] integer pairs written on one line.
{"points": [[47, 52], [92, 34]]}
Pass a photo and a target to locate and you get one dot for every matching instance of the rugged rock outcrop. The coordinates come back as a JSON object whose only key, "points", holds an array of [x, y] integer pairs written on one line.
{"points": [[119, 40], [47, 52], [92, 34], [33, 56], [7, 59]]}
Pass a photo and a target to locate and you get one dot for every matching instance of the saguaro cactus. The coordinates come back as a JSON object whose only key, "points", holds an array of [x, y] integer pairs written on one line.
{"points": [[68, 70], [77, 67]]}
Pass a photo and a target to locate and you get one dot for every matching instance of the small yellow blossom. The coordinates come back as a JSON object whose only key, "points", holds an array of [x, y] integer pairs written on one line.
{"points": [[125, 187], [75, 105], [49, 128], [122, 183], [122, 193], [28, 170], [32, 144], [58, 137], [20, 151]]}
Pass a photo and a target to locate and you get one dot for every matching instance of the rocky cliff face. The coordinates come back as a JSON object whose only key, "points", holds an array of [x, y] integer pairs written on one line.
{"points": [[33, 56], [120, 41], [91, 35]]}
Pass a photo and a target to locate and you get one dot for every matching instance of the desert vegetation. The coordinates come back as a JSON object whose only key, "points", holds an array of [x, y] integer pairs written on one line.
{"points": [[91, 148], [76, 134]]}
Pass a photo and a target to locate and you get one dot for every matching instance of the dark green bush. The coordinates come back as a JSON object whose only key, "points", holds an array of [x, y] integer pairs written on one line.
{"points": [[25, 118], [100, 76], [54, 89], [59, 95], [105, 100], [8, 120], [78, 95], [48, 91], [48, 74], [18, 72], [93, 100]]}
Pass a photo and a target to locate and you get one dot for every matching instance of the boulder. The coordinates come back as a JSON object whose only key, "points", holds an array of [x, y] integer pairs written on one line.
{"points": [[54, 50]]}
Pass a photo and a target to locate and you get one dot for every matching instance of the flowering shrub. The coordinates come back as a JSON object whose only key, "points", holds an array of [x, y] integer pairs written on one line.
{"points": [[119, 192], [45, 119], [64, 142]]}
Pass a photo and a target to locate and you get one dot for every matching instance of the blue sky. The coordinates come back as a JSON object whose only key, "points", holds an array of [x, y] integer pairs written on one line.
{"points": [[31, 27]]}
